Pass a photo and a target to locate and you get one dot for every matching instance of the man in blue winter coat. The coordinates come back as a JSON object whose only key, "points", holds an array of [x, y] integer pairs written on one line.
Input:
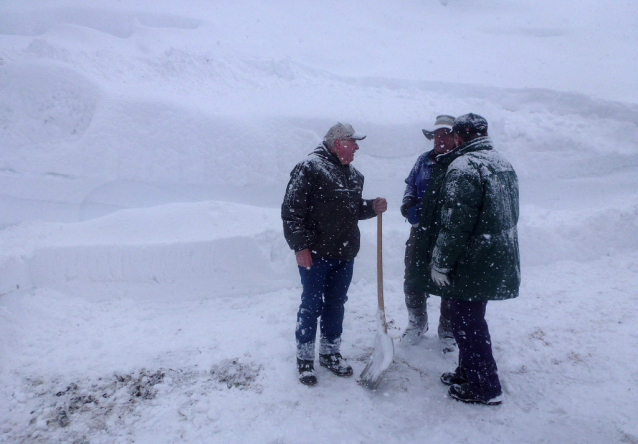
{"points": [[417, 189], [321, 210]]}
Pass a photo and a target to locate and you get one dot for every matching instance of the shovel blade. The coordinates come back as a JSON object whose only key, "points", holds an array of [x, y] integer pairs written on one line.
{"points": [[380, 361]]}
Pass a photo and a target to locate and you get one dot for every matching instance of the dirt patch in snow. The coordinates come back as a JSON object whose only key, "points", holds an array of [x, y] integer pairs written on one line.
{"points": [[233, 373], [103, 409]]}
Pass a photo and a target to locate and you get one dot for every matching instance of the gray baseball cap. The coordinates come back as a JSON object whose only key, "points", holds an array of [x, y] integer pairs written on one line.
{"points": [[342, 131], [442, 121]]}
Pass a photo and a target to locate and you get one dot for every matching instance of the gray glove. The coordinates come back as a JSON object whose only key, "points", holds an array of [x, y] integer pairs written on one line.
{"points": [[440, 279]]}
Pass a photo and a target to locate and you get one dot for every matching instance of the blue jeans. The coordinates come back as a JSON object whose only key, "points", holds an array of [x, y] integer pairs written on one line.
{"points": [[475, 346], [325, 288]]}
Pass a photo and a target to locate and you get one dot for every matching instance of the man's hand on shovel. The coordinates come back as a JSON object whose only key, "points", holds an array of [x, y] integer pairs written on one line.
{"points": [[380, 205]]}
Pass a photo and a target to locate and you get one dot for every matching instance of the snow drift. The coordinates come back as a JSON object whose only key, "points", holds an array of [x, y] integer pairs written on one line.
{"points": [[146, 291]]}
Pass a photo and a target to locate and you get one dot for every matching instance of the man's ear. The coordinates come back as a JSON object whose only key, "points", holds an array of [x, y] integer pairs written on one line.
{"points": [[336, 144], [457, 140]]}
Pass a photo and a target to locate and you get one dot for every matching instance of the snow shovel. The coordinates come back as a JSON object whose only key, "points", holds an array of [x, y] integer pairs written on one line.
{"points": [[383, 346]]}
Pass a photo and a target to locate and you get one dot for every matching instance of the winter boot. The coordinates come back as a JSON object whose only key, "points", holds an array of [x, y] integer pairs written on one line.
{"points": [[465, 393], [448, 345], [336, 364], [446, 337], [306, 372], [456, 377], [417, 326]]}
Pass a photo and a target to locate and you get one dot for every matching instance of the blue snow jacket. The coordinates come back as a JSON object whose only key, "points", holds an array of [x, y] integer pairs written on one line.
{"points": [[417, 183]]}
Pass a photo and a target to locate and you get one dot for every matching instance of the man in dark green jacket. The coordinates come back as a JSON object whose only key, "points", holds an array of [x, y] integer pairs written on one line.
{"points": [[470, 254], [321, 210]]}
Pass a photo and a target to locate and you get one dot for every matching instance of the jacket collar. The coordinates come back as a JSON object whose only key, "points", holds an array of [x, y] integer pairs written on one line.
{"points": [[323, 152], [478, 144]]}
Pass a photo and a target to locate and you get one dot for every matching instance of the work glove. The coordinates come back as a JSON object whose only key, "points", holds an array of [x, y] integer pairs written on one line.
{"points": [[440, 279], [414, 216]]}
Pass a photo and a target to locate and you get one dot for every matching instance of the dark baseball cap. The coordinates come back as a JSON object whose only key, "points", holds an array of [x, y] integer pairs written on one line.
{"points": [[470, 124]]}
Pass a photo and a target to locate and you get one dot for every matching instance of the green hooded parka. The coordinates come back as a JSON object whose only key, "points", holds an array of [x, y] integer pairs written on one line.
{"points": [[468, 226]]}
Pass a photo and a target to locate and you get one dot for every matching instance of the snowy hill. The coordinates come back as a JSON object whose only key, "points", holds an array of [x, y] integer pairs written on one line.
{"points": [[147, 293]]}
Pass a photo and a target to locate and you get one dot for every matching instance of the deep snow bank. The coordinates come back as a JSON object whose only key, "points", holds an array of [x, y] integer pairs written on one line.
{"points": [[105, 109], [531, 43], [233, 248], [94, 99]]}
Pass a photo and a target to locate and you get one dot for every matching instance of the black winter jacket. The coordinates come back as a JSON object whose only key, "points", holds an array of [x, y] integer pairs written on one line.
{"points": [[323, 205]]}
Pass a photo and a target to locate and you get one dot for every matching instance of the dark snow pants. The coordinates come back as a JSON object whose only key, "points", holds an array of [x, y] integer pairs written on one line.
{"points": [[415, 300], [475, 346], [325, 288]]}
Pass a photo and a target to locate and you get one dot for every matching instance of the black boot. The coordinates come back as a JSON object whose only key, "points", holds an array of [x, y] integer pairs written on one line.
{"points": [[336, 364], [466, 393], [306, 372], [455, 377]]}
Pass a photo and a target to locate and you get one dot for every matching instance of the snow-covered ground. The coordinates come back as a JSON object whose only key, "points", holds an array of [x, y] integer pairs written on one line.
{"points": [[147, 294]]}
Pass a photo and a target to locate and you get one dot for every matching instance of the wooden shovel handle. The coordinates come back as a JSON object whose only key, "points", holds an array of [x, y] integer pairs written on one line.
{"points": [[380, 267]]}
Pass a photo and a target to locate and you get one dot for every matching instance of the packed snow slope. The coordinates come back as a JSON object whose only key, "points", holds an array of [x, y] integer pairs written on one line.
{"points": [[146, 292]]}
